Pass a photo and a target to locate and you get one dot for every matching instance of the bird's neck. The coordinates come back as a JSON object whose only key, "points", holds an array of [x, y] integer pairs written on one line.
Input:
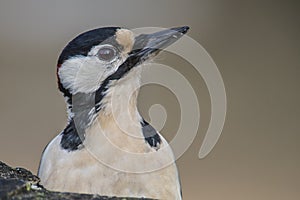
{"points": [[114, 98], [118, 122], [116, 112], [119, 104], [120, 98]]}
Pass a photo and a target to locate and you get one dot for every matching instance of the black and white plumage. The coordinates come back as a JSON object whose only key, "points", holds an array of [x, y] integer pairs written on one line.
{"points": [[107, 147]]}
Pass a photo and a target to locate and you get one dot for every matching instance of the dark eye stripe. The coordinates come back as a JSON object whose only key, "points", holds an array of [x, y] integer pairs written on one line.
{"points": [[107, 53]]}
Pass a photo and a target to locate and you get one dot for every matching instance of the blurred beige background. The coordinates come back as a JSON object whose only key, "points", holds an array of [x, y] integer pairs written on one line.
{"points": [[255, 44]]}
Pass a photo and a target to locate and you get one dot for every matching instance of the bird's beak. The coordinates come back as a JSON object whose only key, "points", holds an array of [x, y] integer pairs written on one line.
{"points": [[148, 45]]}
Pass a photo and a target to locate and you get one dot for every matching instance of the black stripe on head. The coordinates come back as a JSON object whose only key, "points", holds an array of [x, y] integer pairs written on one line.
{"points": [[83, 43], [125, 67]]}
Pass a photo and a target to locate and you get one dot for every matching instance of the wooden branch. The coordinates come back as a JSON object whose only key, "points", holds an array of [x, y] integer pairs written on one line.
{"points": [[19, 183]]}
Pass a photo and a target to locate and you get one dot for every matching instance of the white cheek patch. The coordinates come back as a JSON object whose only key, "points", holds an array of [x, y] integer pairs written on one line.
{"points": [[84, 74]]}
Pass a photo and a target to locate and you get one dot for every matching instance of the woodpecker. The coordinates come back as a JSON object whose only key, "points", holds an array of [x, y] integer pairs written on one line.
{"points": [[107, 147]]}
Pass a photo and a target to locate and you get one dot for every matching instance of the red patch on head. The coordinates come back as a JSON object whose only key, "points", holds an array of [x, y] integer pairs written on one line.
{"points": [[57, 68]]}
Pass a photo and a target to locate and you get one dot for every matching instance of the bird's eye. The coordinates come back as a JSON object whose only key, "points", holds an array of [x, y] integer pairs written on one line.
{"points": [[107, 53]]}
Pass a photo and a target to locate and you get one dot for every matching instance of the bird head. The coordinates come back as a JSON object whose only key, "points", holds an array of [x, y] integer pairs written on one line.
{"points": [[108, 57]]}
